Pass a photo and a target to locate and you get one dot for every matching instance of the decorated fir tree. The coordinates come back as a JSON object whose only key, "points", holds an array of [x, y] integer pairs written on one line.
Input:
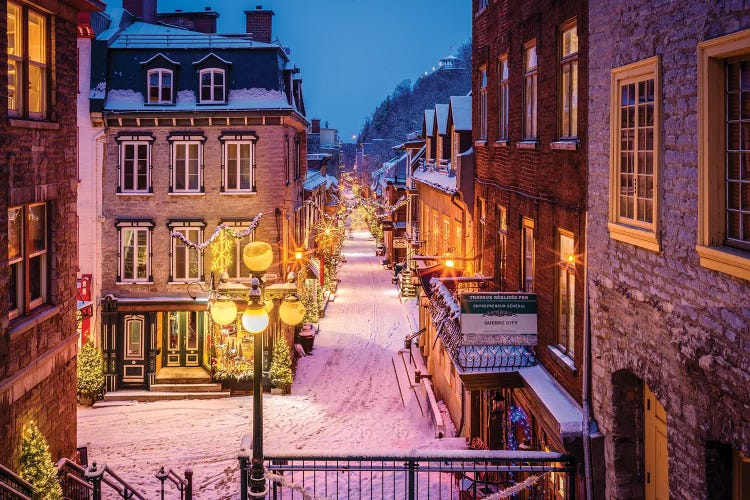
{"points": [[309, 297], [90, 371], [37, 466], [281, 365]]}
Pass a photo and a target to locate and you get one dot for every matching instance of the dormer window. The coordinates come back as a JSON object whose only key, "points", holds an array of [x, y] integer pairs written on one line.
{"points": [[212, 86], [160, 83]]}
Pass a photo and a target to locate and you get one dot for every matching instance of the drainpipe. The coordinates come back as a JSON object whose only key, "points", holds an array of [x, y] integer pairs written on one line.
{"points": [[586, 370]]}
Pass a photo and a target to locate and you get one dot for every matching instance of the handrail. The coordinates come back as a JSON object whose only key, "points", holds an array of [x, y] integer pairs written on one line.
{"points": [[16, 494], [127, 491], [71, 477], [184, 486], [15, 483], [412, 336]]}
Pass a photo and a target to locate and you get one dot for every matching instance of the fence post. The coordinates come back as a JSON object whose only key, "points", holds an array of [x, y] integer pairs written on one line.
{"points": [[161, 476], [411, 493], [243, 477], [94, 476], [189, 485]]}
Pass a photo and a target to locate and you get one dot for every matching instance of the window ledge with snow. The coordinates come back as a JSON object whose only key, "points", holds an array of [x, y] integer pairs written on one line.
{"points": [[135, 193], [528, 144], [187, 193], [565, 145], [563, 359], [480, 143], [502, 143], [35, 124], [239, 192]]}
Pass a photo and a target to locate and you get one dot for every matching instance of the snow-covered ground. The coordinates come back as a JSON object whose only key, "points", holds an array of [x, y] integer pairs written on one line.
{"points": [[345, 398]]}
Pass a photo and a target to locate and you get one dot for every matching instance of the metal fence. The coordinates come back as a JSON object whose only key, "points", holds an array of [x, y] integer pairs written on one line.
{"points": [[459, 474]]}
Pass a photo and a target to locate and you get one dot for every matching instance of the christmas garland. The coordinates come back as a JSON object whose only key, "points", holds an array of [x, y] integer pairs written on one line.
{"points": [[221, 227]]}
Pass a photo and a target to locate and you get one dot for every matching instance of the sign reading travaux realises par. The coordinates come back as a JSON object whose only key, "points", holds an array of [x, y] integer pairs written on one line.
{"points": [[498, 318]]}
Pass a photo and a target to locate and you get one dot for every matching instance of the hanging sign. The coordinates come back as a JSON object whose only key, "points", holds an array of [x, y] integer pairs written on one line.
{"points": [[498, 318], [399, 243]]}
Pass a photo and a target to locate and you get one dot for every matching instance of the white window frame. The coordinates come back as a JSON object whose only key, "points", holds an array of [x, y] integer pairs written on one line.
{"points": [[569, 81], [629, 230], [123, 146], [136, 227], [503, 71], [213, 87], [483, 103], [193, 233], [160, 87], [187, 174], [227, 146], [530, 94]]}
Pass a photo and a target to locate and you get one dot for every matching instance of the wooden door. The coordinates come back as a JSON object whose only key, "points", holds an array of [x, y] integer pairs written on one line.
{"points": [[183, 338], [655, 446]]}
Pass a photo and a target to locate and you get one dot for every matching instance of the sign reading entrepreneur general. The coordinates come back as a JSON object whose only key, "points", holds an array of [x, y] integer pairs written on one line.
{"points": [[498, 318]]}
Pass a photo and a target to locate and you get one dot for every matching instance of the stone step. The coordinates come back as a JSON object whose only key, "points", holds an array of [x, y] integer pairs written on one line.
{"points": [[184, 380], [203, 387], [146, 396]]}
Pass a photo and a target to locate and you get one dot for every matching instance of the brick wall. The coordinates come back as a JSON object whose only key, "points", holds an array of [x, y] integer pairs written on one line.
{"points": [[546, 185], [37, 365], [680, 328]]}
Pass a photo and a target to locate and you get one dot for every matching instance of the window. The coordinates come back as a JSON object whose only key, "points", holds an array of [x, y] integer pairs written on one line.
{"points": [[212, 86], [297, 172], [566, 289], [187, 168], [569, 82], [502, 98], [446, 236], [28, 72], [634, 159], [239, 163], [480, 234], [187, 263], [458, 248], [435, 232], [501, 234], [483, 103], [482, 4], [135, 251], [135, 167], [236, 269], [160, 86], [27, 258], [724, 154], [527, 255], [529, 92]]}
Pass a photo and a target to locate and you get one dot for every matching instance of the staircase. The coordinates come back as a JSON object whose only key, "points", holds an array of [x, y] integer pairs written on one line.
{"points": [[408, 289], [13, 487], [171, 384]]}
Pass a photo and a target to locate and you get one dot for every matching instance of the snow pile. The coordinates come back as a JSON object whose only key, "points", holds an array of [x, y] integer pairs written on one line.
{"points": [[257, 98], [124, 99], [186, 98], [98, 91], [440, 180]]}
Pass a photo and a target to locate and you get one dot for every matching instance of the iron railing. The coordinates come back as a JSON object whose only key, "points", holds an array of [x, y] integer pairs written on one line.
{"points": [[12, 487], [459, 474], [72, 478], [184, 486]]}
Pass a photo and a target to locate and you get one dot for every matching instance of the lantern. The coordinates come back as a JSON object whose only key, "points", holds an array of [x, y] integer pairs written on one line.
{"points": [[257, 256], [223, 311], [255, 318], [292, 311], [449, 262]]}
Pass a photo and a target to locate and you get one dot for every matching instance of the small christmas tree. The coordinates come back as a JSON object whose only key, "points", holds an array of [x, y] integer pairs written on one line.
{"points": [[90, 371], [281, 365], [37, 466]]}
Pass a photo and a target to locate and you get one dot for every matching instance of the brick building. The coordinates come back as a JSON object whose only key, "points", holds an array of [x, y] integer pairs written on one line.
{"points": [[192, 139], [38, 238], [669, 246]]}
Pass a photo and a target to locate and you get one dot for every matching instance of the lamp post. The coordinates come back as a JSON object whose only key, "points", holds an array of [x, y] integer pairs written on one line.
{"points": [[257, 256]]}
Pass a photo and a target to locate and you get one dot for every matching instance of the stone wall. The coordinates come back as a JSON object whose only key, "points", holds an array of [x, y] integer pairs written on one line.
{"points": [[680, 328], [37, 365]]}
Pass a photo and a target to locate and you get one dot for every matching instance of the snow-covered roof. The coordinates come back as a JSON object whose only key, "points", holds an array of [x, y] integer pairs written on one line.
{"points": [[429, 121], [560, 405], [162, 56], [318, 156], [209, 56], [460, 110], [441, 117], [315, 179], [439, 180], [140, 35], [239, 99]]}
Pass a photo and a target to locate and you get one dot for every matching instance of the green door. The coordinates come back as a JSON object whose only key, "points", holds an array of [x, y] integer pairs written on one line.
{"points": [[183, 338]]}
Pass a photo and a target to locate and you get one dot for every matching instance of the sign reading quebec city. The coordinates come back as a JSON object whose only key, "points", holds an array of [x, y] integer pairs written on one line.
{"points": [[498, 318]]}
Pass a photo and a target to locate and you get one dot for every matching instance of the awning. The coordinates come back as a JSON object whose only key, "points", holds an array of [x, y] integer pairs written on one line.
{"points": [[84, 309]]}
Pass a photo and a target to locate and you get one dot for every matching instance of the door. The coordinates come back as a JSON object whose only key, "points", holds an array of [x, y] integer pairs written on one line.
{"points": [[655, 445], [183, 338], [134, 342]]}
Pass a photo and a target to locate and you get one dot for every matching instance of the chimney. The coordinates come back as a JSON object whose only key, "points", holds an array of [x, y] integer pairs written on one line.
{"points": [[145, 9], [316, 126], [258, 23]]}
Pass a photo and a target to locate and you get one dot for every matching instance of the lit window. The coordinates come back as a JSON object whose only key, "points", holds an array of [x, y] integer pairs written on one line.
{"points": [[27, 258], [135, 251], [236, 268], [135, 171], [186, 170], [724, 163], [28, 72], [569, 82], [212, 86], [566, 286], [502, 98], [483, 103], [160, 86], [187, 263], [501, 225], [634, 160], [527, 255], [529, 92], [238, 166], [481, 210]]}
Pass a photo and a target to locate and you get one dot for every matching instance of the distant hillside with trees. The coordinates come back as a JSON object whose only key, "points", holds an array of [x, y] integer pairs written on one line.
{"points": [[402, 111]]}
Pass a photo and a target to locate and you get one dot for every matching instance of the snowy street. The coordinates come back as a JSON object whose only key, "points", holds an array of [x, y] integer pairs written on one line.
{"points": [[344, 398]]}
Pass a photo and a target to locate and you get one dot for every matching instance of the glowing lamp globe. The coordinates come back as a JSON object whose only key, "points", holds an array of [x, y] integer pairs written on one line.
{"points": [[298, 255], [223, 311], [292, 311], [254, 319], [449, 262], [257, 256]]}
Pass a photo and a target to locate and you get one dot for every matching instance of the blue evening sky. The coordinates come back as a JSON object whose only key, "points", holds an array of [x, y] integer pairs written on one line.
{"points": [[352, 53]]}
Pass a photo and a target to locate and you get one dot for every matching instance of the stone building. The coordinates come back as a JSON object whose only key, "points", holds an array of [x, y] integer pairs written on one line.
{"points": [[38, 238], [669, 246], [199, 130]]}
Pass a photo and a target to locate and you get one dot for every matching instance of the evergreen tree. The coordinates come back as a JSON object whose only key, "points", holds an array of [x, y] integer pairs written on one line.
{"points": [[281, 365], [90, 371], [37, 466]]}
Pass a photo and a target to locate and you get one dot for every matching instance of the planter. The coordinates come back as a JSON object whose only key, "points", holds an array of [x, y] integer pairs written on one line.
{"points": [[86, 401], [238, 387], [281, 390]]}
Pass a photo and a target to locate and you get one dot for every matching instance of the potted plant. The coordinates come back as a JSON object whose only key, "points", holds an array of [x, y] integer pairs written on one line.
{"points": [[90, 374]]}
